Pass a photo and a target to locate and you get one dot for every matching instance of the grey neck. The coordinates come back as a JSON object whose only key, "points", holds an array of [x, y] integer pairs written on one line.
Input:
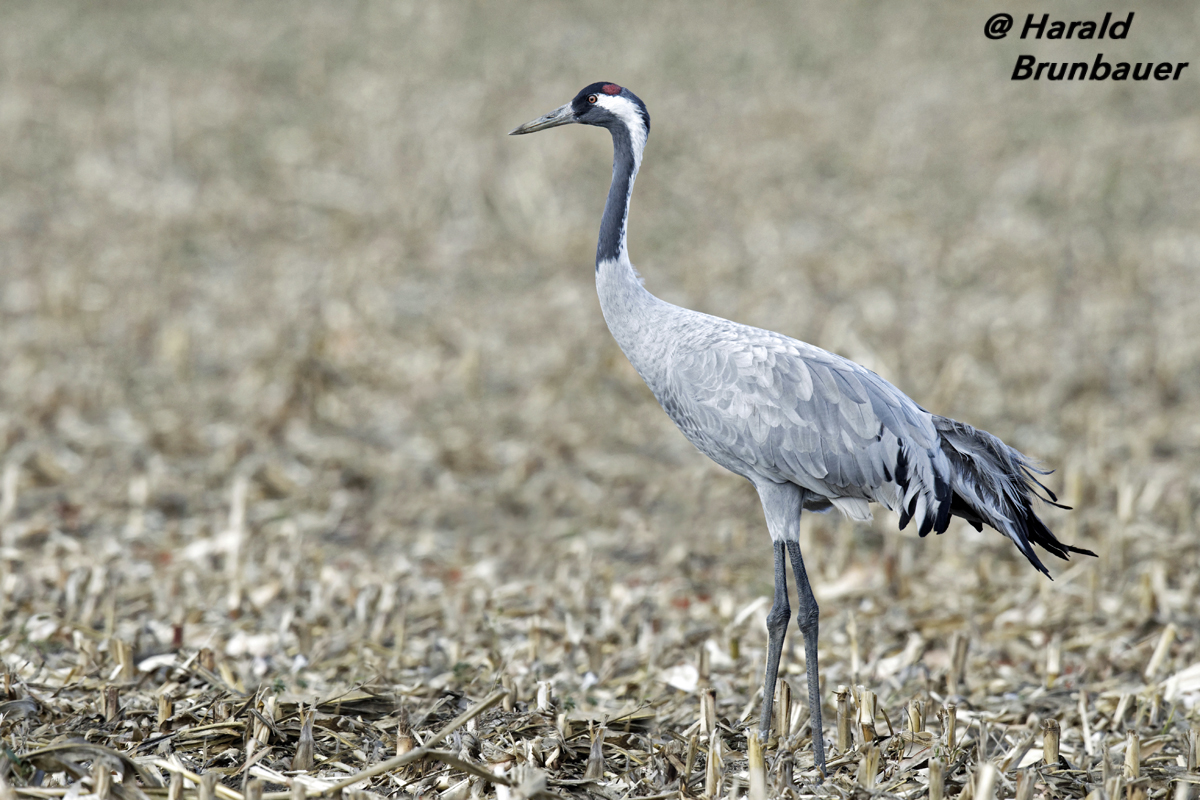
{"points": [[627, 157], [634, 316]]}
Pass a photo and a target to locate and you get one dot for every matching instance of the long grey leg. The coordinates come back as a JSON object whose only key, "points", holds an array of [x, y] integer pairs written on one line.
{"points": [[807, 618], [777, 625]]}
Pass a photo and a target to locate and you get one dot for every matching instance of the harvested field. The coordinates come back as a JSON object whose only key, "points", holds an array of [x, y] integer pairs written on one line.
{"points": [[320, 472]]}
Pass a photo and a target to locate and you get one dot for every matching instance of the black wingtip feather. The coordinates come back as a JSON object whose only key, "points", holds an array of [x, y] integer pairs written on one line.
{"points": [[945, 504], [910, 511], [901, 469], [989, 453], [1036, 532]]}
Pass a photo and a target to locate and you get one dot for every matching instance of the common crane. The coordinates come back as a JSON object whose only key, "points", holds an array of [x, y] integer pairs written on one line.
{"points": [[810, 429]]}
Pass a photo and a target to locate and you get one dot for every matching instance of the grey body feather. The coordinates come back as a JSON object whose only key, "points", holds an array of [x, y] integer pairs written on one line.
{"points": [[780, 411], [771, 408]]}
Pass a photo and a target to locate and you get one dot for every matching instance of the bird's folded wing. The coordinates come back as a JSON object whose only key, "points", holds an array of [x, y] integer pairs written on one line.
{"points": [[781, 406]]}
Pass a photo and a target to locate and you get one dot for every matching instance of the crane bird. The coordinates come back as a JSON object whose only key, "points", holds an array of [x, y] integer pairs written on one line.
{"points": [[810, 429]]}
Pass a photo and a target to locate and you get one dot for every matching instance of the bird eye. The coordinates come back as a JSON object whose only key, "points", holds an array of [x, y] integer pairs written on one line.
{"points": [[592, 99]]}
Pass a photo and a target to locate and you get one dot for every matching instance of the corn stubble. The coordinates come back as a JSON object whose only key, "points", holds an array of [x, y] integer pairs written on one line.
{"points": [[320, 474]]}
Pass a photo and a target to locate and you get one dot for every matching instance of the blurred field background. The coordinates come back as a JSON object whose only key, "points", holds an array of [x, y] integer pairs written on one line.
{"points": [[305, 393]]}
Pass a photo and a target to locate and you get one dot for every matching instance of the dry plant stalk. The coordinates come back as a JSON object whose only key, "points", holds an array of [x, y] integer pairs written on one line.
{"points": [[783, 710], [1053, 659], [1026, 779], [165, 710], [1156, 702], [712, 769], [843, 719], [1014, 756], [1148, 598], [404, 737], [112, 703], [916, 716], [868, 767], [1133, 756], [303, 759], [123, 654], [985, 782], [866, 715], [958, 663], [852, 632], [545, 698], [1161, 649], [1114, 785], [937, 781], [509, 699], [757, 767], [1193, 749], [260, 729], [1085, 725], [689, 761], [595, 761], [708, 712], [1118, 717], [951, 726], [1050, 743], [8, 489], [101, 780]]}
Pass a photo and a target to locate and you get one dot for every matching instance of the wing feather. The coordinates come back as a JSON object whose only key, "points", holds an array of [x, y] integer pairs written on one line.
{"points": [[763, 404]]}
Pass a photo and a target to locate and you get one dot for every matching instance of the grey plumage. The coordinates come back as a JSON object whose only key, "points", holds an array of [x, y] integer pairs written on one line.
{"points": [[775, 409], [810, 429]]}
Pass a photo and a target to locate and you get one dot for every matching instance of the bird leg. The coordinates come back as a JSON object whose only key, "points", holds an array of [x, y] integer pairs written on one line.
{"points": [[777, 624], [807, 619]]}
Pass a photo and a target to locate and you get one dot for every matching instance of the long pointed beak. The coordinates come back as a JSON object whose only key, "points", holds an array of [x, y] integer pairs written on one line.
{"points": [[559, 116]]}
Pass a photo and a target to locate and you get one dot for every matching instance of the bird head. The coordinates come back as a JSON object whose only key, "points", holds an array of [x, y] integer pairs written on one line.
{"points": [[604, 104]]}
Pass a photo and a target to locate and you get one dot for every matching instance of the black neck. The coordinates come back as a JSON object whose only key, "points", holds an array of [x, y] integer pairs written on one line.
{"points": [[616, 209]]}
